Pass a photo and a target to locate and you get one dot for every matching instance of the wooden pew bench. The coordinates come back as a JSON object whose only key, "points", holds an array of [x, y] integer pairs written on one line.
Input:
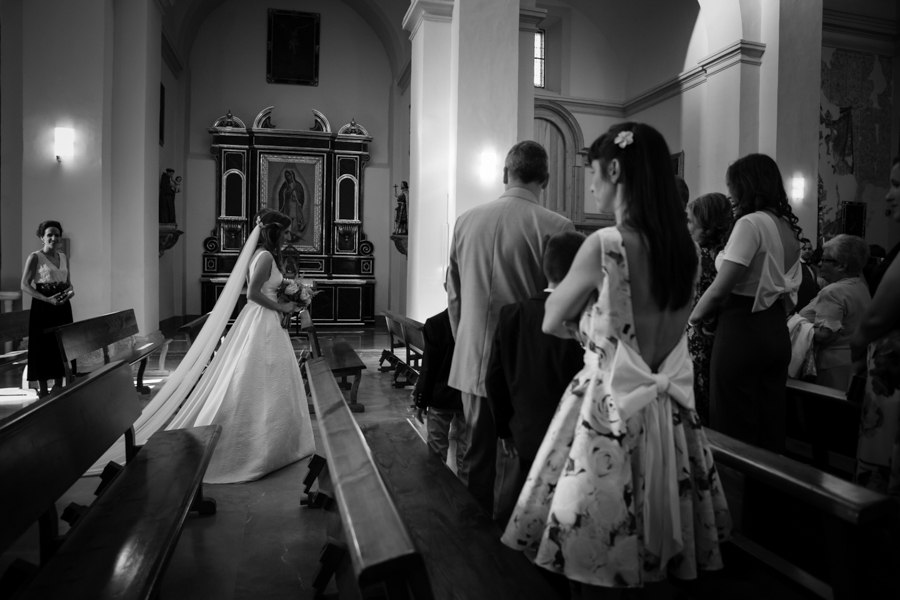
{"points": [[189, 331], [458, 540], [799, 532], [341, 358], [411, 336], [822, 427], [83, 337], [369, 548], [13, 327], [120, 548]]}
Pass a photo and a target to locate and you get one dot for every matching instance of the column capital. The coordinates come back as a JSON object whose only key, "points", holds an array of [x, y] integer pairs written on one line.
{"points": [[426, 10], [742, 51], [530, 17]]}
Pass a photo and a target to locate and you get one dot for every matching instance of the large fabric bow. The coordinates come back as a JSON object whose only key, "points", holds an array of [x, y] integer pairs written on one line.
{"points": [[634, 387]]}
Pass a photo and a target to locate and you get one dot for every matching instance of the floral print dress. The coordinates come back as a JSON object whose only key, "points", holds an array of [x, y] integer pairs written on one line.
{"points": [[623, 489], [878, 453]]}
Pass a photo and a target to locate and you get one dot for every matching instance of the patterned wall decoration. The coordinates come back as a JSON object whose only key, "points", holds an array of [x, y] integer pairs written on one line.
{"points": [[855, 148]]}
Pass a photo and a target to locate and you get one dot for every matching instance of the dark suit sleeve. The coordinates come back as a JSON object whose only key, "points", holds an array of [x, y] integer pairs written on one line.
{"points": [[495, 383], [434, 355]]}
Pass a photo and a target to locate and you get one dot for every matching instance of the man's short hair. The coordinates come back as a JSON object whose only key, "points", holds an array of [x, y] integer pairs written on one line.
{"points": [[805, 241], [527, 161], [559, 254]]}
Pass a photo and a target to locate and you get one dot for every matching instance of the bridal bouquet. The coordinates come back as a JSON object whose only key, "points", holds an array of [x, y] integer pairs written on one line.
{"points": [[299, 291]]}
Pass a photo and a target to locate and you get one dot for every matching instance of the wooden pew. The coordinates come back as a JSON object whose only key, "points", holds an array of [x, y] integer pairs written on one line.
{"points": [[13, 327], [411, 334], [83, 337], [121, 546], [458, 540], [190, 331], [395, 334], [799, 532], [369, 548], [822, 427], [340, 356]]}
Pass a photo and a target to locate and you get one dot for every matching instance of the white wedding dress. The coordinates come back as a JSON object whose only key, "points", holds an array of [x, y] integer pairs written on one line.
{"points": [[253, 389]]}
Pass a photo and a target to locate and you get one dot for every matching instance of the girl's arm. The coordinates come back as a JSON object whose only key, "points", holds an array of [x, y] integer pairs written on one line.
{"points": [[565, 304], [717, 292], [882, 315], [69, 292], [258, 277]]}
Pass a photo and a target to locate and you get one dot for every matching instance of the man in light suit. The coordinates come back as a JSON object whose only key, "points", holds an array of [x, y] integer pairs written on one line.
{"points": [[495, 259]]}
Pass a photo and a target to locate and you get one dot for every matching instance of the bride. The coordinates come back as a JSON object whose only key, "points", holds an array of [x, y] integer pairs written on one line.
{"points": [[253, 386]]}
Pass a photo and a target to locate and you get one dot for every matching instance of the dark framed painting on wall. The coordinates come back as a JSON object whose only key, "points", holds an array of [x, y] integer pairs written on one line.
{"points": [[293, 184], [292, 54], [678, 164]]}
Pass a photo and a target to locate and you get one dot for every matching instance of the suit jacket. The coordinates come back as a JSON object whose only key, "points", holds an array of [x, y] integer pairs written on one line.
{"points": [[431, 387], [495, 259], [809, 289], [527, 374]]}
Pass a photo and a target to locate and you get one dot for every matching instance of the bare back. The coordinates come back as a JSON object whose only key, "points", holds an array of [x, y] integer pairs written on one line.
{"points": [[657, 331]]}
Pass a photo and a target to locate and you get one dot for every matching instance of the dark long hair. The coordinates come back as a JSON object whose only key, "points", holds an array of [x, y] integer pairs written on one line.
{"points": [[654, 209], [756, 184], [273, 223], [42, 228], [712, 215]]}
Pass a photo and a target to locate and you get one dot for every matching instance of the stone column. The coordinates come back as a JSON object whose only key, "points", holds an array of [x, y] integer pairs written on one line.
{"points": [[67, 82], [135, 143], [428, 22]]}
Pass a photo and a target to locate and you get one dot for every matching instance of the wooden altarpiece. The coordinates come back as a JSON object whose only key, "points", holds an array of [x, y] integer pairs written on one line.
{"points": [[317, 178]]}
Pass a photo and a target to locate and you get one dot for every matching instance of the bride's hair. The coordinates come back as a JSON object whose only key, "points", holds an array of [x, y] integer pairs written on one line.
{"points": [[272, 223]]}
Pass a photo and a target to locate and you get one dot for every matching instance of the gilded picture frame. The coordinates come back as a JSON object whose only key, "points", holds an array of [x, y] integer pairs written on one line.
{"points": [[294, 185]]}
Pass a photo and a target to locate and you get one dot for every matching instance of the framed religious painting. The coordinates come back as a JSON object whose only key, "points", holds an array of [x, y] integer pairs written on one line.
{"points": [[292, 51], [678, 163], [294, 184]]}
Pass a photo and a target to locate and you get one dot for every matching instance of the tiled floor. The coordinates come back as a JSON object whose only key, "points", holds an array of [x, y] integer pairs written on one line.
{"points": [[261, 543]]}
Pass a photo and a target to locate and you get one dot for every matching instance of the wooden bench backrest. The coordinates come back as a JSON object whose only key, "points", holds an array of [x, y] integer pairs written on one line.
{"points": [[394, 328], [307, 327], [847, 501], [46, 447], [380, 547], [824, 418], [192, 328], [83, 337], [14, 325]]}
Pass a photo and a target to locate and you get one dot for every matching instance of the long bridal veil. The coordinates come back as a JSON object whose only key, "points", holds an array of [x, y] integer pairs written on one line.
{"points": [[177, 388]]}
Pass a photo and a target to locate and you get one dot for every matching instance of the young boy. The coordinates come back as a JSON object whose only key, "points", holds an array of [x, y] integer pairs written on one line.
{"points": [[528, 373], [432, 394]]}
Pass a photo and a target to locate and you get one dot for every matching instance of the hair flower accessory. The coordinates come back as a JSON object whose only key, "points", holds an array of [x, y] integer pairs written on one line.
{"points": [[259, 223], [624, 138]]}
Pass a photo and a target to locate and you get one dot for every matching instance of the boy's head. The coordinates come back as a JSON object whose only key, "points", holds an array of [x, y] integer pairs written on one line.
{"points": [[560, 252]]}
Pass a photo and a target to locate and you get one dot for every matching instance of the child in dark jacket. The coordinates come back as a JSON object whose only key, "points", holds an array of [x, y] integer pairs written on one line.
{"points": [[529, 370], [432, 394]]}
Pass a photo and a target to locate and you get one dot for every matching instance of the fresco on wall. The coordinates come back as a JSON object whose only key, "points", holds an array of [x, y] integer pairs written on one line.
{"points": [[855, 149]]}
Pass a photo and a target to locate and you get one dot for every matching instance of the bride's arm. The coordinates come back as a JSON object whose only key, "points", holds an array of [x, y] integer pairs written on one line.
{"points": [[258, 277], [565, 304]]}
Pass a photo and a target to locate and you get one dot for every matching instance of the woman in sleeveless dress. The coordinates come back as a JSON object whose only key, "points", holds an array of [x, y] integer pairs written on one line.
{"points": [[759, 275], [253, 386], [47, 279], [623, 490], [877, 344]]}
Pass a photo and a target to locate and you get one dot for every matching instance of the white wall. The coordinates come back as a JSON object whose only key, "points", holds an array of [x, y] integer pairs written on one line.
{"points": [[228, 72], [171, 156], [11, 145]]}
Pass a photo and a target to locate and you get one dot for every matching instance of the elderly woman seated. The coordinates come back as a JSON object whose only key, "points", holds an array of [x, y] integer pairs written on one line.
{"points": [[835, 312]]}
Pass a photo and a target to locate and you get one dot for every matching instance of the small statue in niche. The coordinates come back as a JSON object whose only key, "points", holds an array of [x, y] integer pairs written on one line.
{"points": [[169, 185], [400, 213]]}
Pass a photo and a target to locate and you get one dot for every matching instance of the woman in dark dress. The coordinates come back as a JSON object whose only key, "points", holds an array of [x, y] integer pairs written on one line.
{"points": [[758, 276], [709, 221], [47, 280]]}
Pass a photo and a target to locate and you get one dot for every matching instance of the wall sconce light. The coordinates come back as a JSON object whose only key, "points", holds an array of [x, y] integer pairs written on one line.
{"points": [[488, 168], [798, 189], [63, 142]]}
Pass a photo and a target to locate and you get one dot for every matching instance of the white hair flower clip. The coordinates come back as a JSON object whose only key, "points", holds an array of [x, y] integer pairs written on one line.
{"points": [[259, 223], [623, 139]]}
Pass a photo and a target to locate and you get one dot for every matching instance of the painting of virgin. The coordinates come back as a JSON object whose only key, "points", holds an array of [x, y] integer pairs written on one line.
{"points": [[293, 185]]}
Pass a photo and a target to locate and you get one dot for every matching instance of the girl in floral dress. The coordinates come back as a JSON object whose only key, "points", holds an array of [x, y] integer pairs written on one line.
{"points": [[623, 490], [877, 342]]}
